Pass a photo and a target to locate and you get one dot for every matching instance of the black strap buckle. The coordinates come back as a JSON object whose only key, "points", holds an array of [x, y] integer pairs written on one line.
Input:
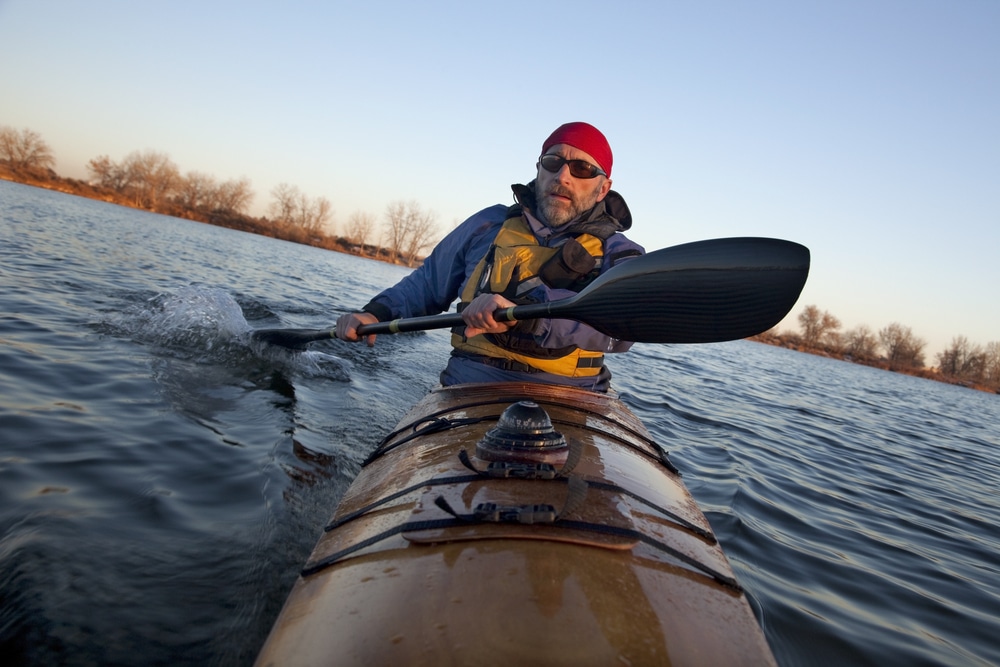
{"points": [[517, 470], [527, 514]]}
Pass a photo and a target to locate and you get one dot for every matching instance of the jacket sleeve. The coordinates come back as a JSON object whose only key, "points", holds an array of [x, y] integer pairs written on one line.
{"points": [[557, 333], [434, 286]]}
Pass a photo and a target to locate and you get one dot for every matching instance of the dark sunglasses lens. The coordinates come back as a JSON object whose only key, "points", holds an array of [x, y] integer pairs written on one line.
{"points": [[581, 169], [577, 168], [551, 163]]}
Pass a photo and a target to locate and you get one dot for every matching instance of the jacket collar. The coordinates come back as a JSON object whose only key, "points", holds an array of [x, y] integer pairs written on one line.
{"points": [[609, 216]]}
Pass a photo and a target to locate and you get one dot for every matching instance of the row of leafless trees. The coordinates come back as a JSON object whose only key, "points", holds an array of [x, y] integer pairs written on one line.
{"points": [[292, 208], [896, 343], [407, 230], [899, 348], [149, 179], [970, 362]]}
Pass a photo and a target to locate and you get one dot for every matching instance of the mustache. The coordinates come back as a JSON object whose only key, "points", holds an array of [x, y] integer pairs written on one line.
{"points": [[560, 191]]}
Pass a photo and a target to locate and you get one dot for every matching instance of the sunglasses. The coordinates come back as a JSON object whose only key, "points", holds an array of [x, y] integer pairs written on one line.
{"points": [[577, 168]]}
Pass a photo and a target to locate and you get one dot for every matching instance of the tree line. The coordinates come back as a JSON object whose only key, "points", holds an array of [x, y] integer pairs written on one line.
{"points": [[894, 347], [150, 180]]}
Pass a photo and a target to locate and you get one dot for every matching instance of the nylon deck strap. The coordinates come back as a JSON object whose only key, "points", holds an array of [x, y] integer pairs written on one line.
{"points": [[436, 424], [540, 471], [531, 514], [431, 524]]}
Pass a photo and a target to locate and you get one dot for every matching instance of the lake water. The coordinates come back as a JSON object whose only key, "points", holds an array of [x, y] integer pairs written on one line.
{"points": [[162, 479]]}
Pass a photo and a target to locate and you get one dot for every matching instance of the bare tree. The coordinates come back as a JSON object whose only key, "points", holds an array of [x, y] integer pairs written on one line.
{"points": [[408, 230], [25, 149], [861, 342], [991, 368], [831, 330], [818, 328], [292, 208], [394, 230], [950, 361], [963, 360], [360, 226], [422, 233], [152, 177], [147, 177], [285, 201], [902, 347], [233, 196], [107, 173], [810, 319], [322, 214], [196, 191]]}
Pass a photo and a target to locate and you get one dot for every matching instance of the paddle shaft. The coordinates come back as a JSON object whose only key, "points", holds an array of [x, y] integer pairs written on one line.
{"points": [[446, 320]]}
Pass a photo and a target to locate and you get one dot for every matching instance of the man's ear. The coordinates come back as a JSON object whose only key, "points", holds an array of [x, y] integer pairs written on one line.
{"points": [[605, 189]]}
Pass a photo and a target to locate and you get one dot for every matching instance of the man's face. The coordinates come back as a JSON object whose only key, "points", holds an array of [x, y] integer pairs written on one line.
{"points": [[562, 197]]}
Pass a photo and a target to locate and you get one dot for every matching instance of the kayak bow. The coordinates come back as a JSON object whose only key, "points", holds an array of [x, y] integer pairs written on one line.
{"points": [[515, 523]]}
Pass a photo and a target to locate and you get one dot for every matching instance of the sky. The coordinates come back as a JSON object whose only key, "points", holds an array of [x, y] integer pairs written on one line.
{"points": [[867, 130]]}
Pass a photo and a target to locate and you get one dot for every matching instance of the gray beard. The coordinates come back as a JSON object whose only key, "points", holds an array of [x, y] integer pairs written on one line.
{"points": [[554, 215]]}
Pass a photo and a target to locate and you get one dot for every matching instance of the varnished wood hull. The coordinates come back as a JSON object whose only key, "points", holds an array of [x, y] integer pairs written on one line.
{"points": [[404, 582]]}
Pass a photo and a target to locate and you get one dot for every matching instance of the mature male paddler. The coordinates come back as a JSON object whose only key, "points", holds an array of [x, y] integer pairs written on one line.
{"points": [[564, 231]]}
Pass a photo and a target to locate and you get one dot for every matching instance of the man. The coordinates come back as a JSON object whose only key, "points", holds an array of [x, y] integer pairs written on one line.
{"points": [[564, 231]]}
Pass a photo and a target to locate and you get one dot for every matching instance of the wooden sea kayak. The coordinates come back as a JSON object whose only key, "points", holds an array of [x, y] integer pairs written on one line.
{"points": [[517, 524]]}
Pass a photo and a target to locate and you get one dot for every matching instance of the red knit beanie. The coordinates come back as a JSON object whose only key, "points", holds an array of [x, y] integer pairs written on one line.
{"points": [[586, 138]]}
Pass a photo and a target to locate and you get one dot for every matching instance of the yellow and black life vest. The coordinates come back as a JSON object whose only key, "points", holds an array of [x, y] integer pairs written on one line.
{"points": [[515, 265]]}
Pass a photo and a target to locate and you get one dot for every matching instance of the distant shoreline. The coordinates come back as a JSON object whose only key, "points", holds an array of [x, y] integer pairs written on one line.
{"points": [[788, 341], [49, 180]]}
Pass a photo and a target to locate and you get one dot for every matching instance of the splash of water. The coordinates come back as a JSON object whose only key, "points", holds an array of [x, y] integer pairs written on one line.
{"points": [[207, 325], [194, 317]]}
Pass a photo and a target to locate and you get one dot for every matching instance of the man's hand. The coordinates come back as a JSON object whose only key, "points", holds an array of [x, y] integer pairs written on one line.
{"points": [[347, 327], [478, 315]]}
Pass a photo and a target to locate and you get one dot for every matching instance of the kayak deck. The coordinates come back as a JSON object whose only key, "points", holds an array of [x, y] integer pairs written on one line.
{"points": [[435, 556]]}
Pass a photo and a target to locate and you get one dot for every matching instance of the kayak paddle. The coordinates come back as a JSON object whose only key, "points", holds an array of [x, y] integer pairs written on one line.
{"points": [[702, 292]]}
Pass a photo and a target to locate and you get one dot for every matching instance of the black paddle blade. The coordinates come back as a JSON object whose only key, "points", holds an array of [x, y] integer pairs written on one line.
{"points": [[293, 339], [702, 292]]}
